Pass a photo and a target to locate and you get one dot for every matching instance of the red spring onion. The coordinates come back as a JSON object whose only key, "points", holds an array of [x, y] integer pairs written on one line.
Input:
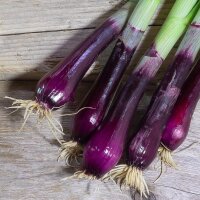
{"points": [[58, 86], [177, 127], [99, 97], [143, 147], [106, 146]]}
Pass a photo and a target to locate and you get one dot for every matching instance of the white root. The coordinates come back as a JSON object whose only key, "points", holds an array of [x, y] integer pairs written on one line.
{"points": [[58, 123], [75, 113], [128, 176], [166, 157], [26, 116], [32, 107], [84, 175], [70, 151], [160, 174], [81, 175]]}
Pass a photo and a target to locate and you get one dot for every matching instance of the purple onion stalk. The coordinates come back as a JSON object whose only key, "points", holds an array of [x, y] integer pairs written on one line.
{"points": [[58, 86], [100, 95], [143, 148], [105, 147], [177, 127]]}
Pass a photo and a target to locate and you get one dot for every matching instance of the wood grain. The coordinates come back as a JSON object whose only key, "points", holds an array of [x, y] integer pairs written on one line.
{"points": [[34, 37], [24, 16], [29, 56], [28, 167]]}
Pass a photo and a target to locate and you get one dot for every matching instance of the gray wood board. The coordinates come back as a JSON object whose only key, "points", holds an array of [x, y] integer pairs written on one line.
{"points": [[29, 169]]}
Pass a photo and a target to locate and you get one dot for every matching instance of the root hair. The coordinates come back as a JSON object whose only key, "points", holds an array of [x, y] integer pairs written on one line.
{"points": [[166, 157], [128, 176], [70, 151]]}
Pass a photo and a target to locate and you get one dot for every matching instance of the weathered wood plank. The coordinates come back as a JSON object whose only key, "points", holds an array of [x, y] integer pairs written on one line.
{"points": [[34, 37], [29, 56], [22, 16], [28, 167], [29, 46]]}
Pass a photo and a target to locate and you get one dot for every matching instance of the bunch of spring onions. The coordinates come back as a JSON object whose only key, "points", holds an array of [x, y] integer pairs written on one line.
{"points": [[101, 125], [58, 87], [143, 148], [177, 126], [100, 95], [106, 144], [175, 132]]}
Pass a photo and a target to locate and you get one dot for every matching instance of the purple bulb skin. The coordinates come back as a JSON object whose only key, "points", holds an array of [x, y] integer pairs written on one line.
{"points": [[143, 149], [144, 146], [100, 95], [175, 133], [58, 86], [85, 123], [178, 124], [105, 147], [51, 95], [104, 150]]}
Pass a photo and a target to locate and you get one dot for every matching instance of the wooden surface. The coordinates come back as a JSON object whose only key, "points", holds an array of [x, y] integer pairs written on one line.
{"points": [[34, 37]]}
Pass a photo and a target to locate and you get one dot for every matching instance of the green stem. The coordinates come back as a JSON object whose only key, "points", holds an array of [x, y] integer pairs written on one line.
{"points": [[143, 13], [191, 40], [196, 20], [138, 22], [175, 25]]}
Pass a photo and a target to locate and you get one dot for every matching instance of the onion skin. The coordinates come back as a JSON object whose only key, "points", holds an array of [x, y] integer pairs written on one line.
{"points": [[178, 124], [144, 146], [145, 143], [107, 150], [57, 87], [101, 94], [106, 137], [110, 137]]}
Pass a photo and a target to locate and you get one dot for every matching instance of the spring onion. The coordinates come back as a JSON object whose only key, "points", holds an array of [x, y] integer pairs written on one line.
{"points": [[99, 97], [142, 149], [58, 86], [177, 127]]}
